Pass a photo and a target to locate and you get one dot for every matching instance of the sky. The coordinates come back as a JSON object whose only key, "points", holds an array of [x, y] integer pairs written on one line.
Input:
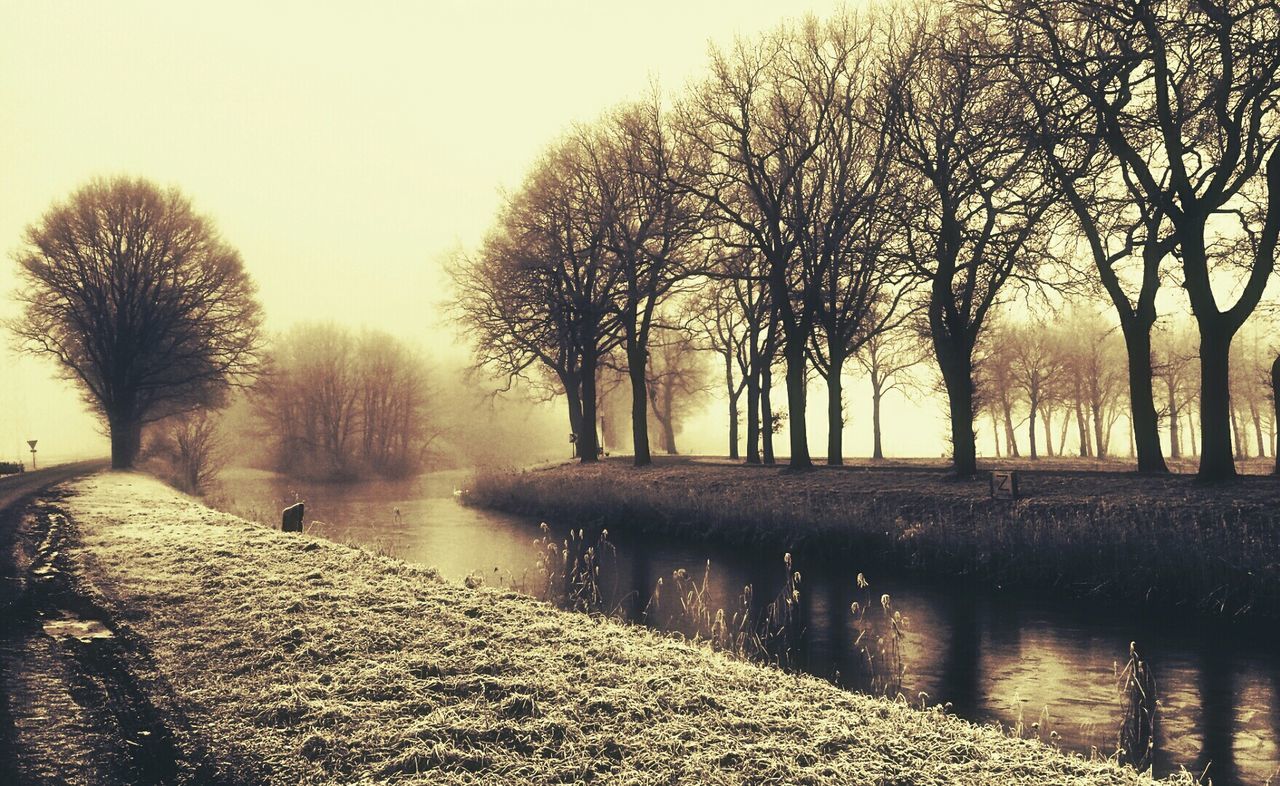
{"points": [[347, 150]]}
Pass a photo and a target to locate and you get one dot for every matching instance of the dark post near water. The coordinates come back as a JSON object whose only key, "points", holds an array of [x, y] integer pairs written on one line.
{"points": [[291, 518], [1004, 484]]}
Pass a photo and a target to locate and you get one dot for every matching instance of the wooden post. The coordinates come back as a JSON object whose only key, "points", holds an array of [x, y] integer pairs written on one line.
{"points": [[291, 518]]}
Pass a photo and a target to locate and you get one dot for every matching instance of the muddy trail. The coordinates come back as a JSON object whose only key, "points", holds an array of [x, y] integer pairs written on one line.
{"points": [[80, 700]]}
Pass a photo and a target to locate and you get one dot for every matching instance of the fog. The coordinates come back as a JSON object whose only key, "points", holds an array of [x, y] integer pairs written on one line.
{"points": [[345, 154]]}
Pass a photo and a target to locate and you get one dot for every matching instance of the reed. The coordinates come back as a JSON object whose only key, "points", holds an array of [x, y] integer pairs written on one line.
{"points": [[879, 643], [1164, 541], [1137, 688]]}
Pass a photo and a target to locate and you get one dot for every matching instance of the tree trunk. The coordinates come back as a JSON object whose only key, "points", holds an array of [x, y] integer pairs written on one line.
{"points": [[732, 393], [1191, 432], [1010, 434], [126, 438], [1257, 428], [636, 361], [956, 364], [796, 420], [588, 445], [995, 432], [1046, 414], [835, 415], [1145, 421], [877, 450], [1100, 444], [573, 395], [1216, 460], [1175, 444], [669, 419], [1275, 399], [766, 411], [1241, 449], [753, 416], [1031, 430], [1086, 447]]}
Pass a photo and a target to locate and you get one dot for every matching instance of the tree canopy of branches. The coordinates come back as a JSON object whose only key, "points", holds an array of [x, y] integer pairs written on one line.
{"points": [[341, 405], [140, 300]]}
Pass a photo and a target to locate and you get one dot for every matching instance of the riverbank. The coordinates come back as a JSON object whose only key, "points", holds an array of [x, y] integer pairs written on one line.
{"points": [[298, 660], [1165, 543]]}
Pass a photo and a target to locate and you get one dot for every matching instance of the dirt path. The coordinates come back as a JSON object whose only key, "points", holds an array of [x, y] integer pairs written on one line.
{"points": [[72, 708]]}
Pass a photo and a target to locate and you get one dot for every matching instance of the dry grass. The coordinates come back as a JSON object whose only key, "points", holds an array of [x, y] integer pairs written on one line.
{"points": [[303, 661], [1165, 541]]}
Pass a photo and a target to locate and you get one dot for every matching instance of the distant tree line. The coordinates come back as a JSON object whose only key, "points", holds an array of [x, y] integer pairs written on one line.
{"points": [[1063, 383], [834, 183], [338, 405]]}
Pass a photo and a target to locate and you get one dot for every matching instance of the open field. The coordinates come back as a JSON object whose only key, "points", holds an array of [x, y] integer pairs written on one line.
{"points": [[1166, 542], [302, 661]]}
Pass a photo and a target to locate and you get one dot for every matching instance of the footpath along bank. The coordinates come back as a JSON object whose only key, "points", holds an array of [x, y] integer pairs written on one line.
{"points": [[297, 660]]}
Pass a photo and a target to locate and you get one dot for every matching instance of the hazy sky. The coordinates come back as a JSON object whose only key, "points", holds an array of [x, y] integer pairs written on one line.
{"points": [[344, 149]]}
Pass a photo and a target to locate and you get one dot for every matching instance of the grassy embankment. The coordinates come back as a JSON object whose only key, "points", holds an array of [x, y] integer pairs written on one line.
{"points": [[1163, 541], [298, 660]]}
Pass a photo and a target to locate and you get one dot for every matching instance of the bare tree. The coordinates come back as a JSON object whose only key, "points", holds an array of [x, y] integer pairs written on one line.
{"points": [[995, 384], [852, 239], [1250, 382], [754, 129], [395, 425], [140, 300], [309, 398], [888, 358], [189, 448], [720, 326], [653, 232], [1062, 66], [677, 379], [1093, 357], [1174, 364], [983, 202], [751, 296], [1038, 370], [509, 312], [543, 292]]}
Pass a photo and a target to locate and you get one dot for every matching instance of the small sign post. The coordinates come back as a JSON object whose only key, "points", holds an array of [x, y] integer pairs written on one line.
{"points": [[31, 443], [291, 518], [1004, 484]]}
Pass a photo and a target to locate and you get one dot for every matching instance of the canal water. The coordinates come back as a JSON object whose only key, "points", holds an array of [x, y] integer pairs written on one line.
{"points": [[994, 656]]}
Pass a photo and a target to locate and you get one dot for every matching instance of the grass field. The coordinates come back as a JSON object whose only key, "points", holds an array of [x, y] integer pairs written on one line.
{"points": [[1166, 542], [298, 660]]}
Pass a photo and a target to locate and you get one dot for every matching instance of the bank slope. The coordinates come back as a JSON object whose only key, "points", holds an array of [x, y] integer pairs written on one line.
{"points": [[304, 661]]}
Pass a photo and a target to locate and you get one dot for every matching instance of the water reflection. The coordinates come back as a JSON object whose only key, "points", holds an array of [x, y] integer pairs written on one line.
{"points": [[996, 657]]}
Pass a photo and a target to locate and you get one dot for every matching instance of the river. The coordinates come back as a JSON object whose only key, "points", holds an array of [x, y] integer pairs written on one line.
{"points": [[994, 656]]}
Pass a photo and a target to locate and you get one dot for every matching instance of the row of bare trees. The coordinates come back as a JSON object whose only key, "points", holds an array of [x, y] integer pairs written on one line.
{"points": [[1067, 379], [338, 405], [832, 180]]}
